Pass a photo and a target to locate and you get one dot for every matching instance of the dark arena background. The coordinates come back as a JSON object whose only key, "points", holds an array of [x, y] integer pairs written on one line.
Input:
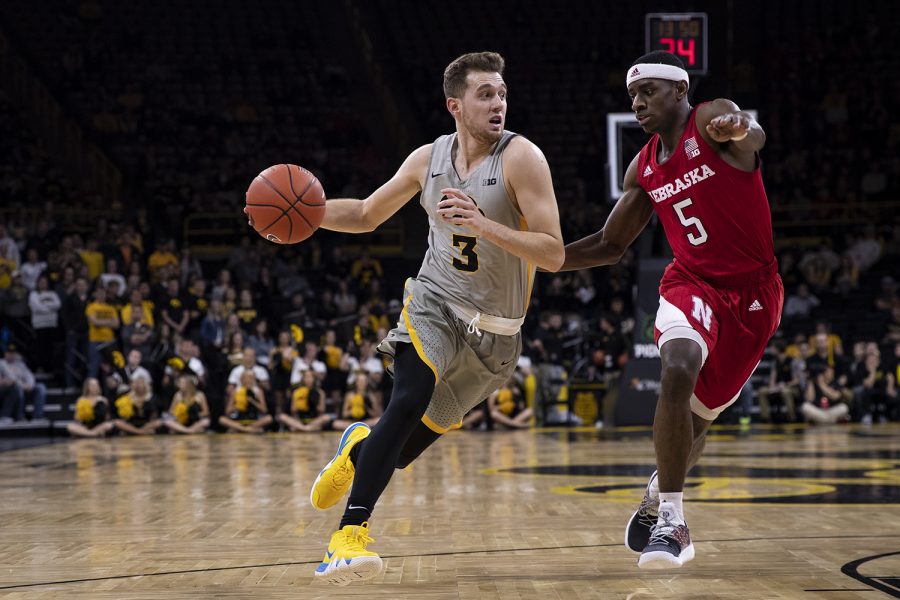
{"points": [[129, 134]]}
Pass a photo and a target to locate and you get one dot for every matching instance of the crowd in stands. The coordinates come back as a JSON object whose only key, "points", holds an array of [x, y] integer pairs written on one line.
{"points": [[284, 338]]}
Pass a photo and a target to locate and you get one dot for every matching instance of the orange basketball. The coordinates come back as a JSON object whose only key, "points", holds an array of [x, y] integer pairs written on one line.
{"points": [[285, 204]]}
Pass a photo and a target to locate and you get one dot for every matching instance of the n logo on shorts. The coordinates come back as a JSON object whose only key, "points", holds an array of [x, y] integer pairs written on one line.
{"points": [[702, 312]]}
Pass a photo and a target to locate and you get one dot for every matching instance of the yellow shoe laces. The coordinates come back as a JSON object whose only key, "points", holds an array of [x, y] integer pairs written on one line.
{"points": [[360, 536]]}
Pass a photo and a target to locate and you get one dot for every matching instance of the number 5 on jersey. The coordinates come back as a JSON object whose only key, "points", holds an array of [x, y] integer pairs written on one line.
{"points": [[466, 245], [701, 236]]}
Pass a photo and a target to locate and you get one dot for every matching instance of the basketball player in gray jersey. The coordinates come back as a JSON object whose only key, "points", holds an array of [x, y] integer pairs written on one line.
{"points": [[493, 219]]}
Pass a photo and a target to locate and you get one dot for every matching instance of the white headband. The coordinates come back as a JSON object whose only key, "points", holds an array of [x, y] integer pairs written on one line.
{"points": [[656, 71]]}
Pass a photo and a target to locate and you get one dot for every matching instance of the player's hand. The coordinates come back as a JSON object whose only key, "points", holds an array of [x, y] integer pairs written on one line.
{"points": [[249, 217], [725, 127], [458, 208]]}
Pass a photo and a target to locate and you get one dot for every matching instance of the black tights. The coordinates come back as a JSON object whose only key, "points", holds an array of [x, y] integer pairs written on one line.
{"points": [[396, 440]]}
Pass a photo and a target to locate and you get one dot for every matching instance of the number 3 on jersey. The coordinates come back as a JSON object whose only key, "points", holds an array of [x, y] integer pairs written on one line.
{"points": [[701, 236], [466, 245]]}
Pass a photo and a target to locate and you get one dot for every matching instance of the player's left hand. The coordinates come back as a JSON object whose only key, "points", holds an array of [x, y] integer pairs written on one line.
{"points": [[458, 208], [727, 126]]}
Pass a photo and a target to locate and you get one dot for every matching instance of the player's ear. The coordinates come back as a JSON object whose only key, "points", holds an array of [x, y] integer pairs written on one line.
{"points": [[453, 106], [681, 89]]}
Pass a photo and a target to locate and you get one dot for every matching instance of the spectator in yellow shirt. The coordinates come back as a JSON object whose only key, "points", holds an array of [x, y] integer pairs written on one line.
{"points": [[163, 256], [136, 303], [365, 268], [93, 258], [103, 320]]}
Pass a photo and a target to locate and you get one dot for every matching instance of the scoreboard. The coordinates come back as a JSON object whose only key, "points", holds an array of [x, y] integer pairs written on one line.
{"points": [[682, 34]]}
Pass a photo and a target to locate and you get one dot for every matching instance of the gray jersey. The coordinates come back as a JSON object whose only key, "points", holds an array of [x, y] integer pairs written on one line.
{"points": [[459, 266]]}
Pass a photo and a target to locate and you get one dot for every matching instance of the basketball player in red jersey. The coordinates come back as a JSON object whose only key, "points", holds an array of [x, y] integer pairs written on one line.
{"points": [[720, 298]]}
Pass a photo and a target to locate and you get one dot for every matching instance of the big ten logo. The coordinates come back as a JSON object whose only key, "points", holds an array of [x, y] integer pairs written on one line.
{"points": [[489, 181], [585, 406]]}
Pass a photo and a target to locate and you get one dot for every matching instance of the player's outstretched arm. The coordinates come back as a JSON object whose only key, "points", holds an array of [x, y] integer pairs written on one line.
{"points": [[723, 122], [351, 215], [626, 221], [531, 189]]}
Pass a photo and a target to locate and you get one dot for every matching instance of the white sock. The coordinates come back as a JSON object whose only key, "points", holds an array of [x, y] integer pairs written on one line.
{"points": [[653, 486], [674, 499]]}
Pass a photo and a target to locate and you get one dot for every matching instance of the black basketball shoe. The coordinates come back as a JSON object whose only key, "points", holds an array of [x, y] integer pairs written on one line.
{"points": [[670, 543], [637, 532]]}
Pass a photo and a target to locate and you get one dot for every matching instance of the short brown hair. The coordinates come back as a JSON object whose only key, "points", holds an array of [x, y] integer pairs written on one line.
{"points": [[456, 72]]}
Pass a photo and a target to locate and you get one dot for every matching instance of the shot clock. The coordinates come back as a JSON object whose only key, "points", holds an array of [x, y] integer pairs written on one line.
{"points": [[682, 34]]}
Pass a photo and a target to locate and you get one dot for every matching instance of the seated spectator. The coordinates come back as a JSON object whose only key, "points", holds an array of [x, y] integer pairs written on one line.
{"points": [[370, 363], [234, 350], [12, 397], [309, 362], [223, 282], [246, 410], [307, 407], [138, 334], [800, 303], [818, 266], [822, 356], [45, 305], [834, 342], [134, 369], [825, 400], [136, 410], [32, 391], [91, 412], [508, 407], [359, 405], [246, 311], [261, 342], [212, 327], [248, 363], [877, 392], [189, 411], [282, 358], [783, 385]]}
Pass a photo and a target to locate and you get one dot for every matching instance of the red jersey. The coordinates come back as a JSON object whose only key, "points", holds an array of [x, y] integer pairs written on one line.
{"points": [[716, 216]]}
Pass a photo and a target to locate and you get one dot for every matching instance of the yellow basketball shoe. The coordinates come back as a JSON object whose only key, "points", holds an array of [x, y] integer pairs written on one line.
{"points": [[335, 479], [347, 559]]}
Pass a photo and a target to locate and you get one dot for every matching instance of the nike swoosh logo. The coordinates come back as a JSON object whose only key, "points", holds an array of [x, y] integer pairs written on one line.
{"points": [[329, 554], [351, 507], [503, 364], [433, 175]]}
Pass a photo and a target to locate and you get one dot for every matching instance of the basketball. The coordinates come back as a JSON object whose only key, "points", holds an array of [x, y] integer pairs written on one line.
{"points": [[285, 204]]}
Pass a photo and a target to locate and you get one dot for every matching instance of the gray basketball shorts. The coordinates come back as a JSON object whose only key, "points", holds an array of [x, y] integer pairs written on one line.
{"points": [[467, 367]]}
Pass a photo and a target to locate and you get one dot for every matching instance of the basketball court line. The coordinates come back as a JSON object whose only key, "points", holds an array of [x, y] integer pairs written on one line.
{"points": [[454, 553]]}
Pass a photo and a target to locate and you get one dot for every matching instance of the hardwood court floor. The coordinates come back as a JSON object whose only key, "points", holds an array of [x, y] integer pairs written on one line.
{"points": [[776, 513]]}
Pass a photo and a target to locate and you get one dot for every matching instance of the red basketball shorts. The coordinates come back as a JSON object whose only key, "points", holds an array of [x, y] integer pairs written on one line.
{"points": [[730, 318]]}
